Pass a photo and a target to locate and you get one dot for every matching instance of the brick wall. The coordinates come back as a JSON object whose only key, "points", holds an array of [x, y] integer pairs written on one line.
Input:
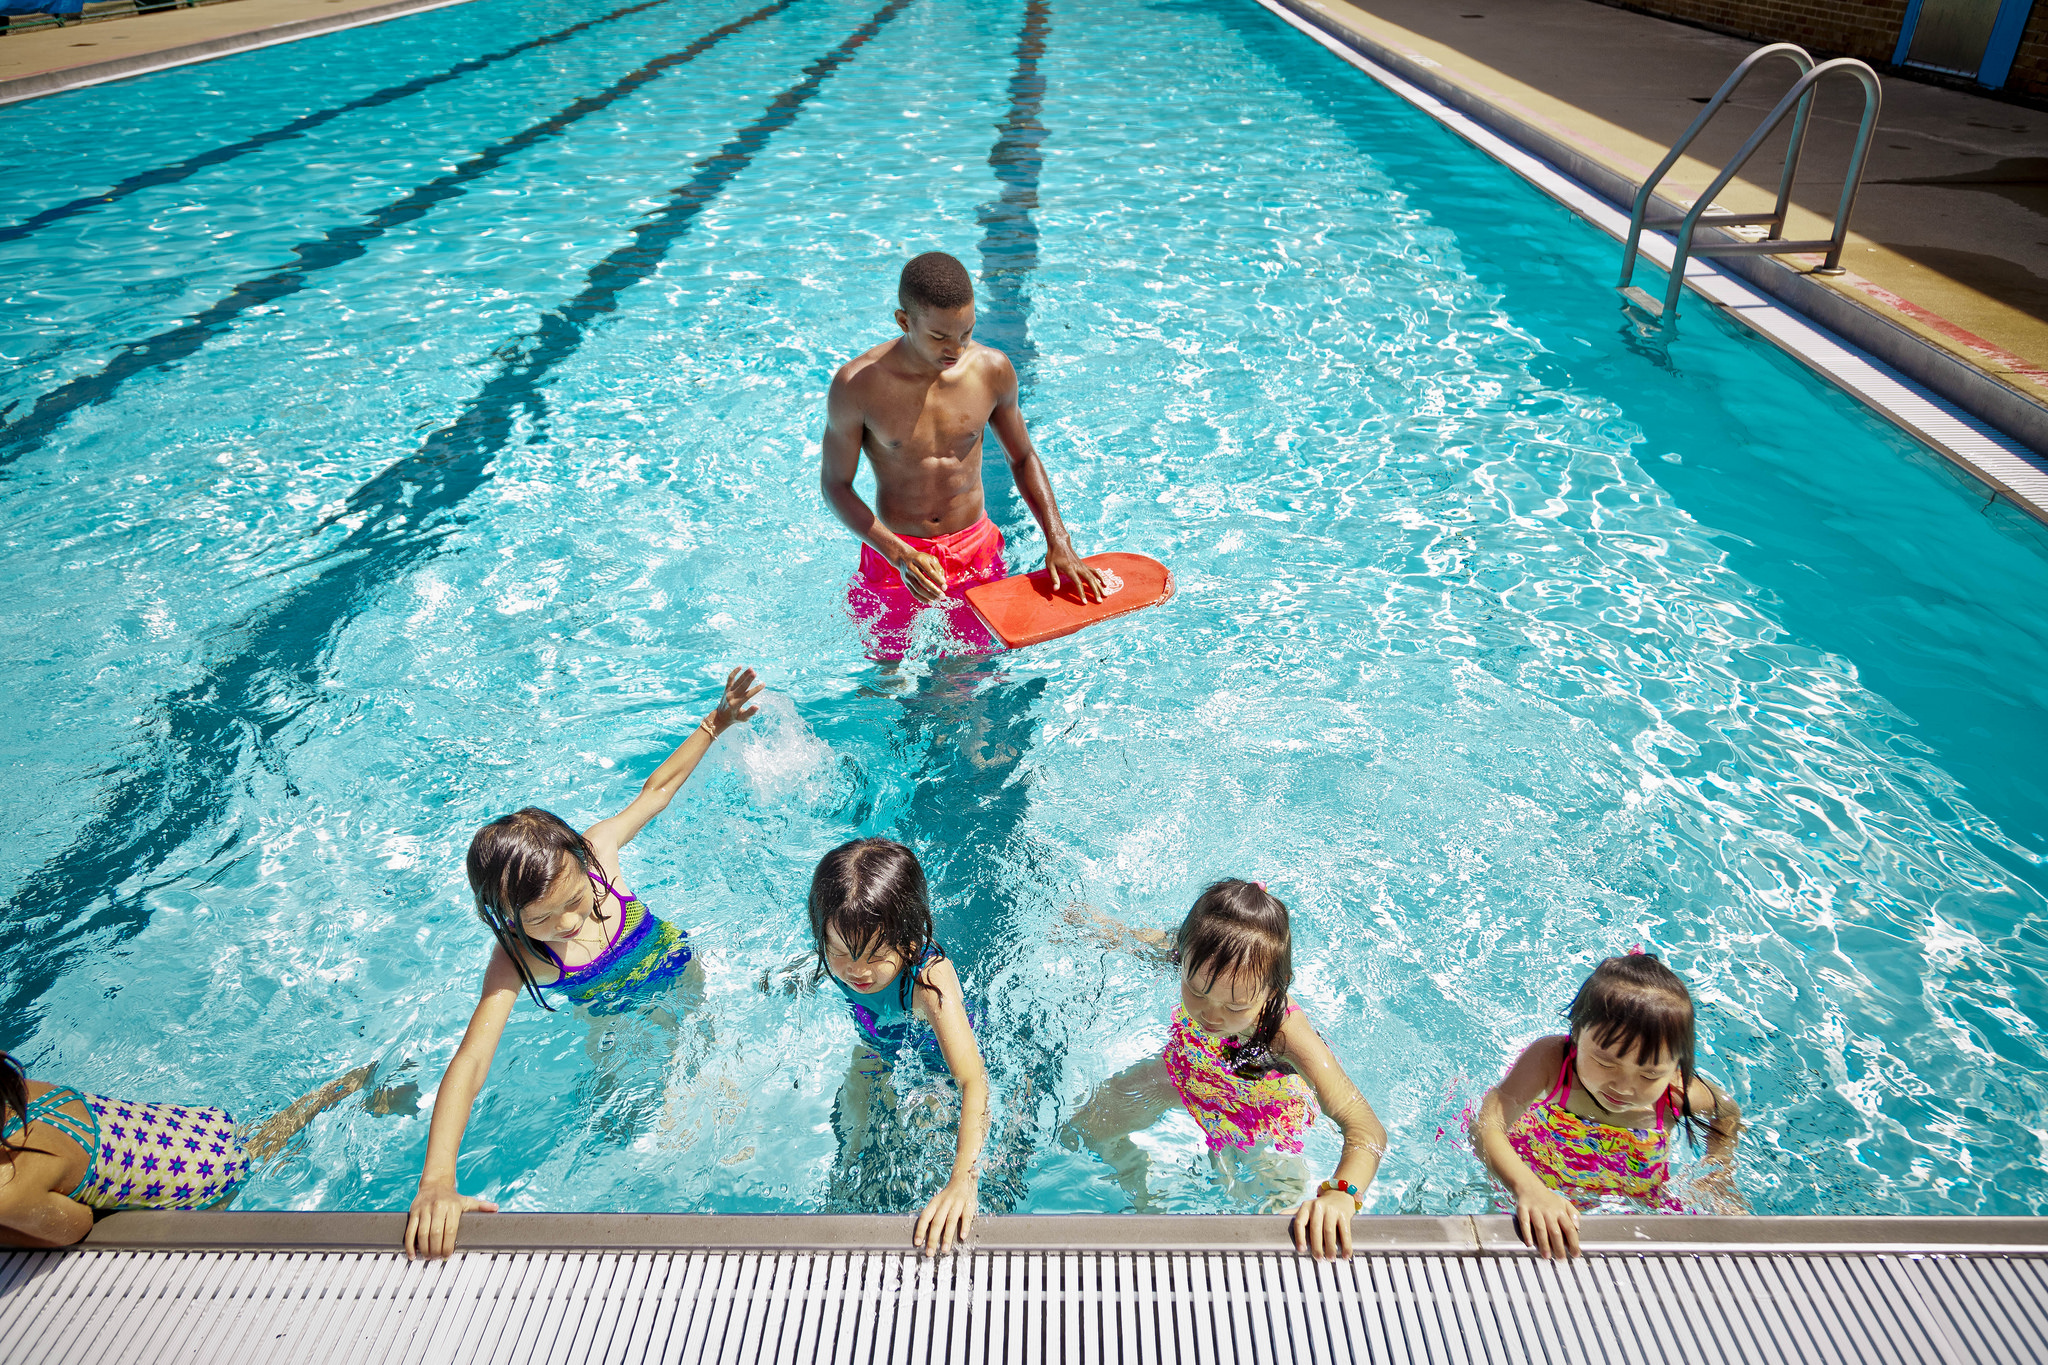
{"points": [[2030, 65], [1843, 28]]}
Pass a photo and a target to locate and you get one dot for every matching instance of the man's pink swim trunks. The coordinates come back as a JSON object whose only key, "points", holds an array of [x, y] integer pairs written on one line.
{"points": [[879, 600]]}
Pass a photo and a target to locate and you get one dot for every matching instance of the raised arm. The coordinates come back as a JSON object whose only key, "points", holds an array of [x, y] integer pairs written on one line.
{"points": [[1545, 1219], [1322, 1226], [438, 1207], [1036, 489], [845, 429], [949, 1215], [607, 837]]}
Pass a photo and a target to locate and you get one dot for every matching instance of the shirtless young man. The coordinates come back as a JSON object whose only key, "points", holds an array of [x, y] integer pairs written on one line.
{"points": [[917, 405]]}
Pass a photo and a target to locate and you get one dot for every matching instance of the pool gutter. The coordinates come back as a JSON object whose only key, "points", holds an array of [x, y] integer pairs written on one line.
{"points": [[1986, 428], [1462, 1235]]}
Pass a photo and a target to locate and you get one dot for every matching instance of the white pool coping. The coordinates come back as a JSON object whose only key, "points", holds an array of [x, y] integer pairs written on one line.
{"points": [[2007, 466]]}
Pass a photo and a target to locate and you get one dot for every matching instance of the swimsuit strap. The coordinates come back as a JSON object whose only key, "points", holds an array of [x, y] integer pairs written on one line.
{"points": [[1562, 1091], [906, 987], [564, 968], [49, 1108], [617, 895], [1666, 1107]]}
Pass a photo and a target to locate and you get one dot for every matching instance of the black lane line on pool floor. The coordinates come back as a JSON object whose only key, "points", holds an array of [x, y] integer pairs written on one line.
{"points": [[336, 247], [270, 672], [176, 171], [1009, 240], [1009, 237]]}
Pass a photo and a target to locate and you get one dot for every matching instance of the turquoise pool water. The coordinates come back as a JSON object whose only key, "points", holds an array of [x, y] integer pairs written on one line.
{"points": [[414, 423]]}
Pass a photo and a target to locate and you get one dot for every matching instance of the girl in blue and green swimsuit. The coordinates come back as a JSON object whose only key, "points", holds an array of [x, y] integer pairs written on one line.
{"points": [[552, 899]]}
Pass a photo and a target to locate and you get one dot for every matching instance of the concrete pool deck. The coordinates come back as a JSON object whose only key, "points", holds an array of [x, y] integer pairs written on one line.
{"points": [[677, 1287], [45, 61]]}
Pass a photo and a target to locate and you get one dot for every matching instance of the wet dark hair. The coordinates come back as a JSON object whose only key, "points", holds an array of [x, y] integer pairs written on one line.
{"points": [[1638, 1006], [512, 862], [14, 1104], [1240, 928], [872, 893], [934, 280]]}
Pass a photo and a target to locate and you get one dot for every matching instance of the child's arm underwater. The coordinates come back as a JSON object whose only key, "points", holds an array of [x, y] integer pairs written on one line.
{"points": [[610, 835], [1150, 945], [1322, 1226], [950, 1214], [1716, 1178], [1544, 1219], [438, 1207]]}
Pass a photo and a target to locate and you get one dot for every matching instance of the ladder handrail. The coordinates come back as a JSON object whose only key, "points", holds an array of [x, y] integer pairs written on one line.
{"points": [[1801, 91], [1800, 58]]}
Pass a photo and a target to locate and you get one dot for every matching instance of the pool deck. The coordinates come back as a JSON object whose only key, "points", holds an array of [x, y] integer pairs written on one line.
{"points": [[45, 61], [674, 1287]]}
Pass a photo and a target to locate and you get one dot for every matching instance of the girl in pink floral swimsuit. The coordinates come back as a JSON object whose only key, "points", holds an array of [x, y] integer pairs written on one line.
{"points": [[1589, 1116], [1241, 1058]]}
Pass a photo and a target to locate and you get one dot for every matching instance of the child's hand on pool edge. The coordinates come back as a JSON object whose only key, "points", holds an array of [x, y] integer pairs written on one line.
{"points": [[1322, 1226], [947, 1218], [1547, 1222], [740, 688], [436, 1213]]}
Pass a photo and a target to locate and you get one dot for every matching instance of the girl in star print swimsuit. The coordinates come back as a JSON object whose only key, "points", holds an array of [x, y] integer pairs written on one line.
{"points": [[65, 1154]]}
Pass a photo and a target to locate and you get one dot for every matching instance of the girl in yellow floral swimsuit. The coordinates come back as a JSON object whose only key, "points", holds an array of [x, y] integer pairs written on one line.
{"points": [[1240, 1057], [1589, 1116]]}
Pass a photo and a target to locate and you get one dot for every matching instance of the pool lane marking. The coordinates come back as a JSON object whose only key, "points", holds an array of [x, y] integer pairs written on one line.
{"points": [[1982, 450], [1009, 237], [171, 174], [336, 247], [270, 675]]}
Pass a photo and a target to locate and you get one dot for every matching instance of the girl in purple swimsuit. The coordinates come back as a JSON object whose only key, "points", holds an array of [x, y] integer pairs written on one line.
{"points": [[552, 899]]}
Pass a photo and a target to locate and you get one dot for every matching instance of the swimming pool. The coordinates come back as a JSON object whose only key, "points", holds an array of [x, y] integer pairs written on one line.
{"points": [[439, 455]]}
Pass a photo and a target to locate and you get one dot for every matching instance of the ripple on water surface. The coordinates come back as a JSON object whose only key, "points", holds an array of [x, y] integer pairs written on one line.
{"points": [[1506, 637]]}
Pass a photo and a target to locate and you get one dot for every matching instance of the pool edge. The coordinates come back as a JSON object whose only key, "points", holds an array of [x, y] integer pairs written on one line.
{"points": [[2003, 415], [1381, 1234], [14, 90]]}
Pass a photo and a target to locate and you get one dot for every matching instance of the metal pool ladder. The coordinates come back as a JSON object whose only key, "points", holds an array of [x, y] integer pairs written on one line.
{"points": [[1798, 102]]}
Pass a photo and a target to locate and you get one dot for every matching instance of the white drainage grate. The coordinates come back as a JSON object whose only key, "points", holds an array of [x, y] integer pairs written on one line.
{"points": [[854, 1308]]}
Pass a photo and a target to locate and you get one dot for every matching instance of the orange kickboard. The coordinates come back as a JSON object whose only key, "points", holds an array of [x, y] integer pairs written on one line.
{"points": [[1024, 610]]}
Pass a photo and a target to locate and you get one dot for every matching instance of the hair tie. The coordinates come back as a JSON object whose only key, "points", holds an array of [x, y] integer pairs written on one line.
{"points": [[1635, 950], [1261, 886]]}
